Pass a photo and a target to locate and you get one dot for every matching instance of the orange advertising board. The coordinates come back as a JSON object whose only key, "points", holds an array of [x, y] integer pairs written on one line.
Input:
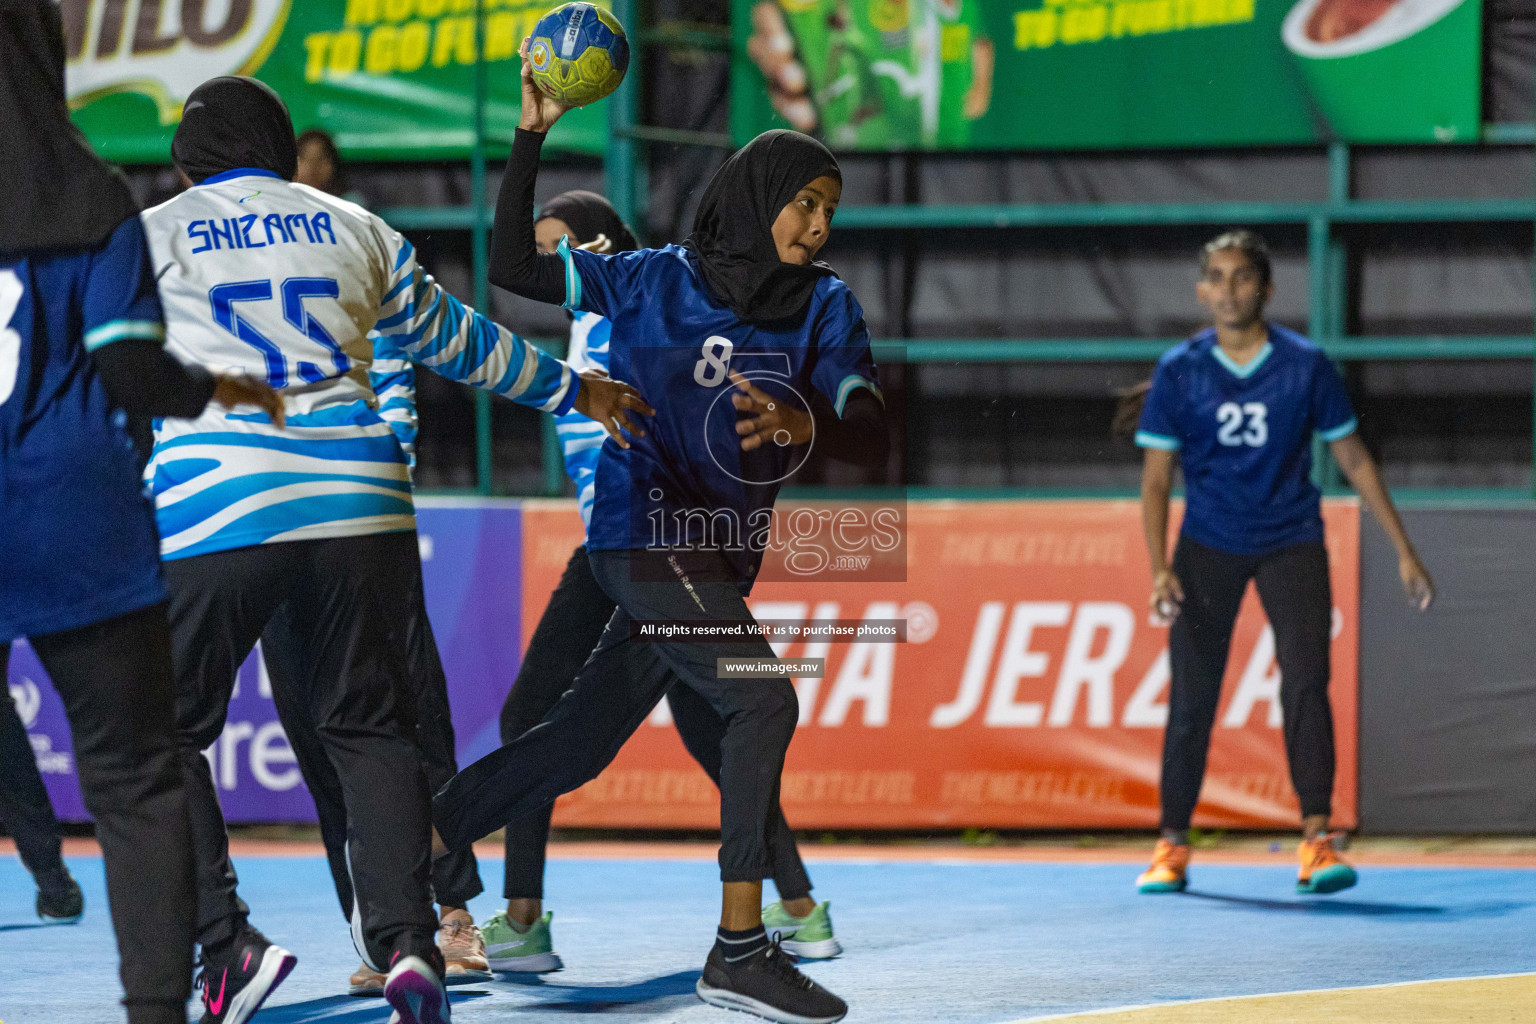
{"points": [[1031, 691]]}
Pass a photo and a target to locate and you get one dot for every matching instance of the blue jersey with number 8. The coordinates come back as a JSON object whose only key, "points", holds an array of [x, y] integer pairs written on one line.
{"points": [[687, 482], [1244, 437]]}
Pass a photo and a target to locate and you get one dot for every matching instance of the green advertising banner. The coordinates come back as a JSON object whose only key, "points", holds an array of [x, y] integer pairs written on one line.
{"points": [[390, 79], [1070, 74]]}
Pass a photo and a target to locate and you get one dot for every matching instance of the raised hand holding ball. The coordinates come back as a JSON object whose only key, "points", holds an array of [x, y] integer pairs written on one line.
{"points": [[540, 112]]}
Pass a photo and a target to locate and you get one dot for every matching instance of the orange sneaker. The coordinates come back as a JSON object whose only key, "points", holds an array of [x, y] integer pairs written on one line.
{"points": [[1322, 869], [1167, 873]]}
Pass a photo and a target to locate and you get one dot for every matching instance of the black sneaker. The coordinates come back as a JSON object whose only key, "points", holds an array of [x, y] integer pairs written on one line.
{"points": [[236, 983], [59, 899], [768, 984]]}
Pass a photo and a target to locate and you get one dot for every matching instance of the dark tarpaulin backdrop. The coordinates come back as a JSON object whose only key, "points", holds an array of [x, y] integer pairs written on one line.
{"points": [[1448, 698]]}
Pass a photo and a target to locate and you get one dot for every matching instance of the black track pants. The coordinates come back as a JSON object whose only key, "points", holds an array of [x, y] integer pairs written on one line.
{"points": [[1294, 588], [455, 878], [25, 810], [118, 688], [357, 693], [614, 692], [571, 626]]}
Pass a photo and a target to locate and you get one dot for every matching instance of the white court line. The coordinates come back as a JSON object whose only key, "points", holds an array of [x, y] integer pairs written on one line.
{"points": [[1083, 1014]]}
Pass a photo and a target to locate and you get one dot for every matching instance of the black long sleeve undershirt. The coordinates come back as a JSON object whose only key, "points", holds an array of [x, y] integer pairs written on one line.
{"points": [[143, 379], [516, 263], [858, 437]]}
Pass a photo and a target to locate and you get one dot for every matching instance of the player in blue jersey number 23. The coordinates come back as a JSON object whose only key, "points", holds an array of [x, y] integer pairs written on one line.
{"points": [[1237, 407]]}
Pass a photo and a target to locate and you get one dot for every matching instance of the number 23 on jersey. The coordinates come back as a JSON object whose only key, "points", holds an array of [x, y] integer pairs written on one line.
{"points": [[1244, 424]]}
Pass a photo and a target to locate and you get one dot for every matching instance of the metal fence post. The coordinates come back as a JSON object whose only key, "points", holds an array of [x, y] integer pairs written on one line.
{"points": [[1336, 309], [1318, 293], [479, 255], [621, 168]]}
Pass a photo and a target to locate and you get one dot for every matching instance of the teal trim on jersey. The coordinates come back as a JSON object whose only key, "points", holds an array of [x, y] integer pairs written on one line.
{"points": [[845, 389], [1147, 439], [572, 275], [119, 330], [1244, 370], [1341, 431]]}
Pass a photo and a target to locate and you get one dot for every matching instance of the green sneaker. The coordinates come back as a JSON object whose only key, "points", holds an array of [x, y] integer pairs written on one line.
{"points": [[519, 952], [809, 937]]}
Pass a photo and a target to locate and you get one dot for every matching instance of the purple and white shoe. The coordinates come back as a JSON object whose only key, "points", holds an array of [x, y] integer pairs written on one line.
{"points": [[416, 992]]}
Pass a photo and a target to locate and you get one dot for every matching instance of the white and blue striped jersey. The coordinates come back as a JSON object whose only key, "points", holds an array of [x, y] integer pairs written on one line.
{"points": [[312, 293], [581, 439], [394, 384]]}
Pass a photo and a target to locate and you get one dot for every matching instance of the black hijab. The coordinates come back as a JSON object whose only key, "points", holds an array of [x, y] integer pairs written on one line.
{"points": [[59, 195], [589, 215], [235, 122], [733, 230]]}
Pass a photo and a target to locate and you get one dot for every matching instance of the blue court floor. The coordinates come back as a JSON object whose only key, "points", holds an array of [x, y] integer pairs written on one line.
{"points": [[969, 943]]}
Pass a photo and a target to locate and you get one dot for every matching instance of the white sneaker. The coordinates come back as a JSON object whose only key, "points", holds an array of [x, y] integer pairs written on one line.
{"points": [[416, 993]]}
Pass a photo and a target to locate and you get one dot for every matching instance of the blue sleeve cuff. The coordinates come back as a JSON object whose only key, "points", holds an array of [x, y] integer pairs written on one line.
{"points": [[1341, 431], [572, 275], [847, 387], [1147, 439]]}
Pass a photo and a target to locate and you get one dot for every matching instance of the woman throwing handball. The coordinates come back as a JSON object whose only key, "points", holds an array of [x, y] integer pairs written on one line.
{"points": [[519, 939], [1237, 405], [677, 506]]}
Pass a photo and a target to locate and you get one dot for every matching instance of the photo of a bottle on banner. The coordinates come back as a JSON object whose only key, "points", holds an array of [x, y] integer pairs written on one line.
{"points": [[881, 75]]}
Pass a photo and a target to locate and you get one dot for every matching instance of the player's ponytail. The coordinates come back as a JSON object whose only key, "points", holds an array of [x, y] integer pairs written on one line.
{"points": [[1128, 410]]}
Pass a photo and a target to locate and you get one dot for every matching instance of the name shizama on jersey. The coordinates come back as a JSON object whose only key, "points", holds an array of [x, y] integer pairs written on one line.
{"points": [[277, 229]]}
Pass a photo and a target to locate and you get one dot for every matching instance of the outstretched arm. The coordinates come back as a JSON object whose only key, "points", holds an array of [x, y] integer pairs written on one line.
{"points": [[515, 262], [1360, 469], [421, 322]]}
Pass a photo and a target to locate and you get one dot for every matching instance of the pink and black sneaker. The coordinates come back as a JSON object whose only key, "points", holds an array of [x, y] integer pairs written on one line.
{"points": [[237, 982], [415, 990]]}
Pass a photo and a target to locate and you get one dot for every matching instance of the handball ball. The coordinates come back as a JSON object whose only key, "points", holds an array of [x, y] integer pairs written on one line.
{"points": [[579, 53]]}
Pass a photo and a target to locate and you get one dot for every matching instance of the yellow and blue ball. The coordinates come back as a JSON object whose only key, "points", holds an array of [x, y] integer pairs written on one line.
{"points": [[579, 53]]}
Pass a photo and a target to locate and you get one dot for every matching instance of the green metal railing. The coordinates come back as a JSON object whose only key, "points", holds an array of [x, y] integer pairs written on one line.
{"points": [[1133, 350], [626, 186]]}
